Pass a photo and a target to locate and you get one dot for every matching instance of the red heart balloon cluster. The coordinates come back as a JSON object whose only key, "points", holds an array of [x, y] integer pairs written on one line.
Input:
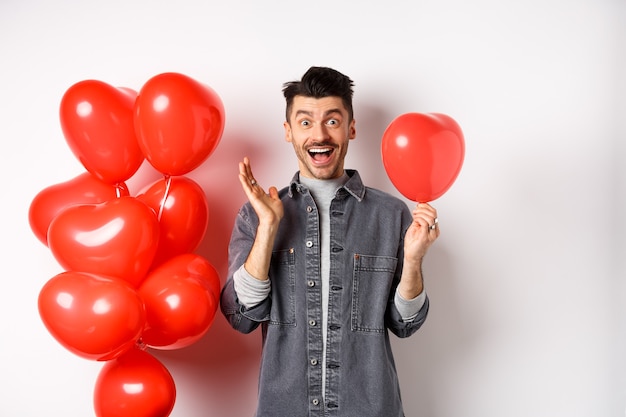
{"points": [[131, 279]]}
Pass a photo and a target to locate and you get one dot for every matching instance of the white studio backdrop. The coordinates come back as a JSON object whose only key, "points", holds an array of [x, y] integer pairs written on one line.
{"points": [[527, 280]]}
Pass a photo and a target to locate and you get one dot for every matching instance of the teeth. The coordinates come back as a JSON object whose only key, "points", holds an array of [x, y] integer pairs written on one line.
{"points": [[317, 150]]}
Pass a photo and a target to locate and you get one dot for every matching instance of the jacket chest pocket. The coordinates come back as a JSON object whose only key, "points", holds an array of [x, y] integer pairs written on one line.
{"points": [[372, 278], [283, 277]]}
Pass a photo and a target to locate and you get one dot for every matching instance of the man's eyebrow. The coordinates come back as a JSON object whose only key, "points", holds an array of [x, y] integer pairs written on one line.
{"points": [[326, 113]]}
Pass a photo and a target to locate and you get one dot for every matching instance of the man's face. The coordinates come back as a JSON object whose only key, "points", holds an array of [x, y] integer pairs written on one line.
{"points": [[319, 131]]}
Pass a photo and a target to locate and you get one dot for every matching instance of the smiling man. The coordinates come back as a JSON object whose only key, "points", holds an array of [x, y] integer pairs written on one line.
{"points": [[327, 267]]}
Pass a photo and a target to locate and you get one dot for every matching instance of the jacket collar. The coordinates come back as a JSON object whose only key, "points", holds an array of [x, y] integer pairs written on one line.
{"points": [[354, 186]]}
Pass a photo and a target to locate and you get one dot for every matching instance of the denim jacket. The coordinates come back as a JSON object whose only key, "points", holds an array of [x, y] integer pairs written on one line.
{"points": [[367, 228]]}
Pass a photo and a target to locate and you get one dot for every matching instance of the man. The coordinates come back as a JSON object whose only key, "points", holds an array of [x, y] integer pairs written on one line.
{"points": [[327, 267]]}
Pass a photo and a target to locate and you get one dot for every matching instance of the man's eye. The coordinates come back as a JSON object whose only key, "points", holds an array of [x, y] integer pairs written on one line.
{"points": [[304, 123], [333, 122]]}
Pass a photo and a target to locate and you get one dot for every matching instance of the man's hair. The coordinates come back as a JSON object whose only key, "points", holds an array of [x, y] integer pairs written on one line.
{"points": [[320, 82]]}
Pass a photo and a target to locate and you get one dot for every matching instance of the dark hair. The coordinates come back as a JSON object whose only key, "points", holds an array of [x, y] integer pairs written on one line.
{"points": [[319, 82]]}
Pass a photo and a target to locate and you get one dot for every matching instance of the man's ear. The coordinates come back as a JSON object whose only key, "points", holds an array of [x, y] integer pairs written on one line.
{"points": [[352, 130], [288, 135]]}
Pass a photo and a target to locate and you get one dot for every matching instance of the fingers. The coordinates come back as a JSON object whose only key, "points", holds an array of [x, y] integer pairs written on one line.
{"points": [[245, 169], [273, 192], [248, 184], [245, 183], [426, 216], [245, 174]]}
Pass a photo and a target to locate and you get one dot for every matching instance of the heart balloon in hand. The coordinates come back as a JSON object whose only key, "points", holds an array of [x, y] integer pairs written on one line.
{"points": [[423, 154]]}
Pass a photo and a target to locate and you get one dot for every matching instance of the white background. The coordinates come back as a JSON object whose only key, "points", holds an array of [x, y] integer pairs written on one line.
{"points": [[527, 279]]}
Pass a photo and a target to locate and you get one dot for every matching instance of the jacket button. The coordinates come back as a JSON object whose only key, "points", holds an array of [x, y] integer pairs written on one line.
{"points": [[309, 209], [309, 243], [311, 283], [315, 401], [312, 322], [313, 361]]}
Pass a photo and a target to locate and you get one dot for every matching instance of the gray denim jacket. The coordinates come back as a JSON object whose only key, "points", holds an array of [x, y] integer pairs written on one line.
{"points": [[367, 227]]}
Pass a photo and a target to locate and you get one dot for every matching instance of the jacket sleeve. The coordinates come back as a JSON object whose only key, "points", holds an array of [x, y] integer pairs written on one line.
{"points": [[393, 319], [404, 329], [242, 319]]}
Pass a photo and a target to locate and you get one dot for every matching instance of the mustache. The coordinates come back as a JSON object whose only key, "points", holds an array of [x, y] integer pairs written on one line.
{"points": [[324, 144]]}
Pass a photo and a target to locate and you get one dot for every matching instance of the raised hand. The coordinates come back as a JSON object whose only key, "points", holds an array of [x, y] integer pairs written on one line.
{"points": [[267, 206]]}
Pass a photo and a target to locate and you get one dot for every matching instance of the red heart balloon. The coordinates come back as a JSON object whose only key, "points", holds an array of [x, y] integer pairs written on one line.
{"points": [[97, 121], [181, 298], [135, 384], [183, 213], [83, 189], [423, 154], [94, 316], [179, 122], [116, 238]]}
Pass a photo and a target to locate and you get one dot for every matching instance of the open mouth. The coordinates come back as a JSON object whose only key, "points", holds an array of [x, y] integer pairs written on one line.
{"points": [[321, 154]]}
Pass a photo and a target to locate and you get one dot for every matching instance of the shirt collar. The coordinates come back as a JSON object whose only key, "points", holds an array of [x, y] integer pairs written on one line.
{"points": [[354, 186]]}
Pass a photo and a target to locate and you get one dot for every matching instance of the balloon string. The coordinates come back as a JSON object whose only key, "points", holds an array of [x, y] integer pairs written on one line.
{"points": [[168, 183]]}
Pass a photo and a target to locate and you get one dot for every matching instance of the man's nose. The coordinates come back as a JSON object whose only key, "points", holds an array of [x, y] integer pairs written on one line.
{"points": [[319, 131]]}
